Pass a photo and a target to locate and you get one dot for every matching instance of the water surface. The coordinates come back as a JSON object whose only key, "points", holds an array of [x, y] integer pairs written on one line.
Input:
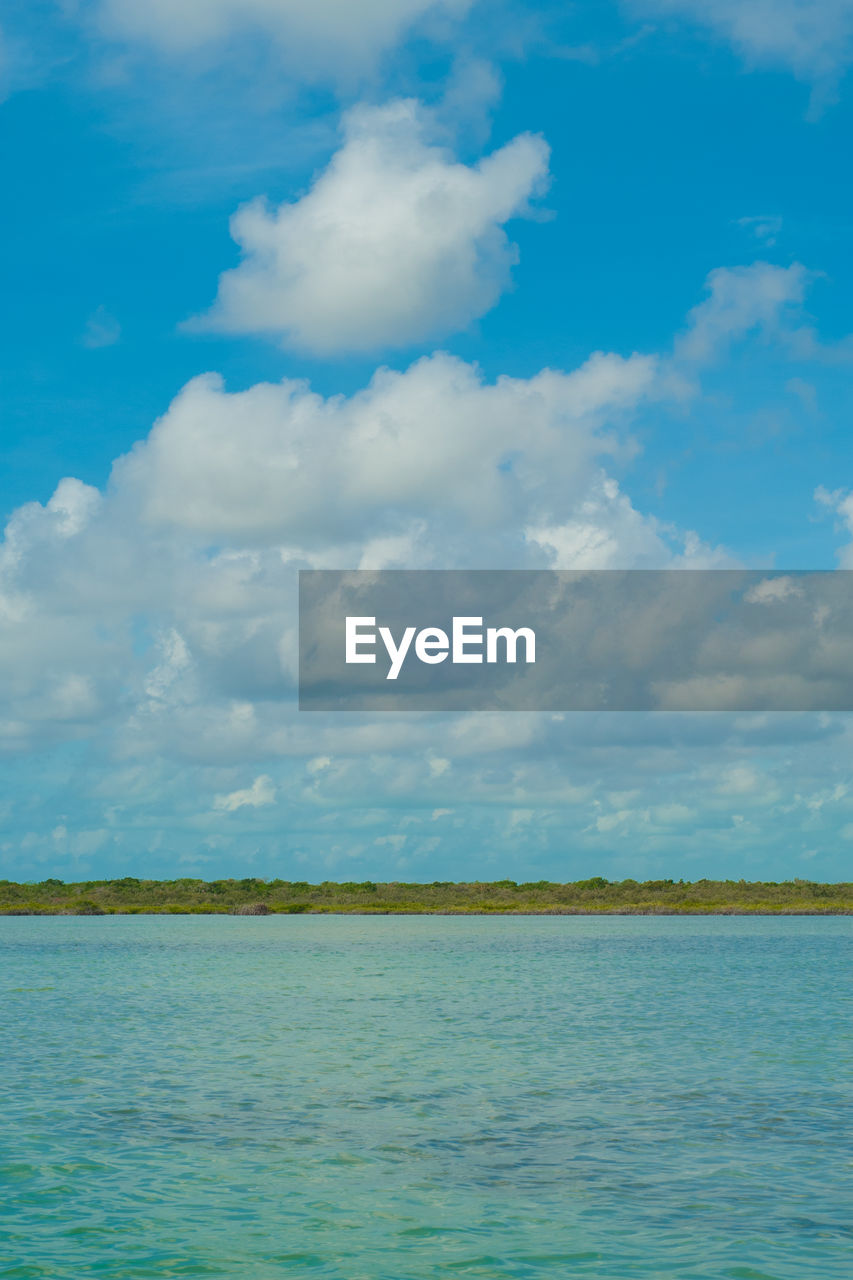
{"points": [[390, 1098]]}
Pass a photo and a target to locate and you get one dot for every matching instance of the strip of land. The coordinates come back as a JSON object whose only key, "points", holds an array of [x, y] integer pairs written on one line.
{"points": [[596, 896]]}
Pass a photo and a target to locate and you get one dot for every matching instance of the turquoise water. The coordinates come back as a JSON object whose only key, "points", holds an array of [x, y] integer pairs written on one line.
{"points": [[407, 1098]]}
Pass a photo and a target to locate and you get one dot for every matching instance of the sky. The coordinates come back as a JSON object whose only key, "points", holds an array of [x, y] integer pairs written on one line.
{"points": [[408, 284]]}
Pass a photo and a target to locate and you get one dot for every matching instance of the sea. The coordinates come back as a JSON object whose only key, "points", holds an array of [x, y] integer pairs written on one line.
{"points": [[406, 1098]]}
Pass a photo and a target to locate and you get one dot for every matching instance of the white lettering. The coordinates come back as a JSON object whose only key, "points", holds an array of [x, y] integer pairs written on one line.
{"points": [[461, 637], [432, 645], [353, 639], [511, 637], [395, 653]]}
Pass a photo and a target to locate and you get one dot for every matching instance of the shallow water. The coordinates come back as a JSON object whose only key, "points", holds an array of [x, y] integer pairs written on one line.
{"points": [[405, 1098]]}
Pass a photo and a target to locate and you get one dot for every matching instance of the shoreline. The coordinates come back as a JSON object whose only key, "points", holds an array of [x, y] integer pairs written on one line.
{"points": [[595, 896], [414, 911]]}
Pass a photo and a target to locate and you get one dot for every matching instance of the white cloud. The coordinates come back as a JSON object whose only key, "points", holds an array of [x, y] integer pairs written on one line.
{"points": [[162, 613], [261, 792], [174, 663], [840, 502], [72, 505], [758, 298], [608, 532], [813, 38], [519, 819], [280, 464], [159, 617], [673, 814], [395, 242], [395, 842], [336, 37], [319, 764], [772, 590], [739, 780]]}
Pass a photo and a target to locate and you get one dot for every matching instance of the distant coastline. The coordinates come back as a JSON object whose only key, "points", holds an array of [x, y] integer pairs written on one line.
{"points": [[130, 895]]}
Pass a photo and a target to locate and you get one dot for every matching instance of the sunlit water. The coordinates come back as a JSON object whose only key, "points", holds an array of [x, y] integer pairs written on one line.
{"points": [[406, 1098]]}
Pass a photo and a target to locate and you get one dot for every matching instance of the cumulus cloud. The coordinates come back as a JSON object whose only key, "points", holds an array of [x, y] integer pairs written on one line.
{"points": [[155, 621], [261, 792], [813, 38], [326, 37], [278, 463], [395, 242], [605, 525], [162, 612]]}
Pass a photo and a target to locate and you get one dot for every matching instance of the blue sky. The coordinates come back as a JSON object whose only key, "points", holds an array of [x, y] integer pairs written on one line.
{"points": [[519, 187]]}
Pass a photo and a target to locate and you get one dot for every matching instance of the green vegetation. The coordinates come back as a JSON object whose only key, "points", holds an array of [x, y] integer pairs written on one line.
{"points": [[594, 896]]}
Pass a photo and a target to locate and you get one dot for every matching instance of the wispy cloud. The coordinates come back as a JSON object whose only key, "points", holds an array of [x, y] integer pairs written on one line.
{"points": [[102, 330]]}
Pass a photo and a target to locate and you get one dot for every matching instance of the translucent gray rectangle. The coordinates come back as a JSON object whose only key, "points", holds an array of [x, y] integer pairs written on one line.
{"points": [[604, 640]]}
